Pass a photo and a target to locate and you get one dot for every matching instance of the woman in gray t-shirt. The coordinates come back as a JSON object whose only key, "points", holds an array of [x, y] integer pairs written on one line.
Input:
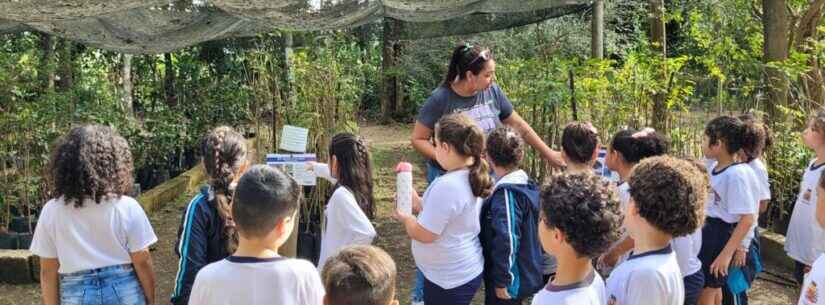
{"points": [[469, 89]]}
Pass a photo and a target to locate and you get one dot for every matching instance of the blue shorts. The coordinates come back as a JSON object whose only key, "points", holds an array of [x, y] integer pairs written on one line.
{"points": [[461, 295], [694, 284], [715, 235], [103, 286]]}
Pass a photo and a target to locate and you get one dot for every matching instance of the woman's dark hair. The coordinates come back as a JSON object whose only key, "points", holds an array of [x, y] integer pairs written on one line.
{"points": [[354, 169], [466, 57], [224, 154], [505, 147], [464, 135], [91, 162], [727, 129], [635, 145], [757, 137]]}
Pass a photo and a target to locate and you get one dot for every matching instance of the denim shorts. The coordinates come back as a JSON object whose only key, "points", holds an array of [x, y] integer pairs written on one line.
{"points": [[113, 285]]}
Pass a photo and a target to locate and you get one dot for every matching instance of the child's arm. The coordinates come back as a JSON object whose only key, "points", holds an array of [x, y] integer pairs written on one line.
{"points": [[142, 261], [531, 137], [49, 280], [722, 262], [414, 229], [763, 206]]}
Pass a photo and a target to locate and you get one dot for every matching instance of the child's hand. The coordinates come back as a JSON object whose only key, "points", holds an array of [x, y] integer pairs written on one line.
{"points": [[721, 264], [401, 217], [502, 294], [739, 257], [416, 202], [310, 166]]}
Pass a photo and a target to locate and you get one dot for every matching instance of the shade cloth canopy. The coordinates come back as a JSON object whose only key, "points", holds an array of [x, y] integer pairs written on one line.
{"points": [[153, 26]]}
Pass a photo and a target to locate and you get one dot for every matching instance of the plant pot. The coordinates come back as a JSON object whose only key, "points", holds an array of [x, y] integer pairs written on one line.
{"points": [[8, 240], [24, 240]]}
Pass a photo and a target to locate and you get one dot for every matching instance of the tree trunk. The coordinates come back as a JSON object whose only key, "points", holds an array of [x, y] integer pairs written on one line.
{"points": [[659, 44], [597, 30], [47, 63], [169, 81], [126, 78], [813, 81], [390, 86], [66, 65], [775, 26]]}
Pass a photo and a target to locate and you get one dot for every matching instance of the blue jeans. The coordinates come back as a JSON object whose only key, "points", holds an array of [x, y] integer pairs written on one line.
{"points": [[113, 285]]}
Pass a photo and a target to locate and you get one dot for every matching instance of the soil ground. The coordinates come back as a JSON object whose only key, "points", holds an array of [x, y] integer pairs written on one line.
{"points": [[389, 145]]}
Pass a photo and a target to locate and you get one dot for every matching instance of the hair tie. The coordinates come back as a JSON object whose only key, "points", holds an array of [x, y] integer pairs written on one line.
{"points": [[643, 133]]}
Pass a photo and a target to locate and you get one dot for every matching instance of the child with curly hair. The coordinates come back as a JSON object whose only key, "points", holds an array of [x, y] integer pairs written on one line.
{"points": [[93, 240], [579, 220], [667, 201]]}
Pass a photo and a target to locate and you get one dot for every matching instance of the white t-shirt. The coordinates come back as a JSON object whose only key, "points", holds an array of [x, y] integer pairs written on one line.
{"points": [[732, 192], [804, 230], [92, 236], [345, 224], [624, 198], [257, 281], [687, 252], [648, 278], [588, 292], [762, 191], [813, 287], [450, 210]]}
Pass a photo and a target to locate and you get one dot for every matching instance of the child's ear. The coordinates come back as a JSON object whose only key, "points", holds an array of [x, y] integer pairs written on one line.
{"points": [[595, 153]]}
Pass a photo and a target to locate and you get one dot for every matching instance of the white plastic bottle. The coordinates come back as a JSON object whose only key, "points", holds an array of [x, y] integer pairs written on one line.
{"points": [[403, 188]]}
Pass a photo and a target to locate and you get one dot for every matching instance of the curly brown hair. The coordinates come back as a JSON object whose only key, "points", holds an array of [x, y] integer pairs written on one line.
{"points": [[360, 275], [585, 208], [91, 162], [224, 153], [505, 147], [669, 193]]}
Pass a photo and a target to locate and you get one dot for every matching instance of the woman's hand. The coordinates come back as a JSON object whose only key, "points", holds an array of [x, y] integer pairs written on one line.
{"points": [[310, 166]]}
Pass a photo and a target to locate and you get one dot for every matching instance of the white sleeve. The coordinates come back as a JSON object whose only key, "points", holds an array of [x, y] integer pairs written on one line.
{"points": [[322, 170], [739, 196], [312, 290], [436, 215], [198, 294], [43, 242], [347, 211], [645, 287], [139, 232]]}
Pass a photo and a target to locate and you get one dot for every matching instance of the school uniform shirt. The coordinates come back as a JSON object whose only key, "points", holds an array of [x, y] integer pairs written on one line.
{"points": [[648, 278], [451, 211], [762, 191], [257, 281], [92, 236], [733, 194], [587, 292], [687, 252], [345, 223], [813, 287], [803, 230]]}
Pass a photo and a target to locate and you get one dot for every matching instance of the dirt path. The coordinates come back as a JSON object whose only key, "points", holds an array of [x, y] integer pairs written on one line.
{"points": [[389, 145]]}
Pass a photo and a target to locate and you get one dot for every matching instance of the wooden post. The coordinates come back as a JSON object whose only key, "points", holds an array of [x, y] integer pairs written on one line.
{"points": [[597, 30], [659, 44], [775, 27]]}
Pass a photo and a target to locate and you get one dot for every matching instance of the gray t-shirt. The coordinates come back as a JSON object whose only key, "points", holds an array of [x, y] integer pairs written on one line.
{"points": [[488, 108]]}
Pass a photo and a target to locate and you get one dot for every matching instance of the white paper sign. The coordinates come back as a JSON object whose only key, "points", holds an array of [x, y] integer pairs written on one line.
{"points": [[294, 139], [294, 165]]}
